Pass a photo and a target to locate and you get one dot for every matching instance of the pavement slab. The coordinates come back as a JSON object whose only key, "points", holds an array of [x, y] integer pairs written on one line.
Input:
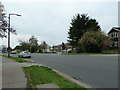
{"points": [[50, 85]]}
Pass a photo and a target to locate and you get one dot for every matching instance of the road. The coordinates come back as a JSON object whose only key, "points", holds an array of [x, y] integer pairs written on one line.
{"points": [[96, 71]]}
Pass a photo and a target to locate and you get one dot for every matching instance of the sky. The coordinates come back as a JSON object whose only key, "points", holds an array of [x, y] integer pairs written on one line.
{"points": [[49, 20]]}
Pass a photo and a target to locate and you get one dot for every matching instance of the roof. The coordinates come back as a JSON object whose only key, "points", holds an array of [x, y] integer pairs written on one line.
{"points": [[114, 29]]}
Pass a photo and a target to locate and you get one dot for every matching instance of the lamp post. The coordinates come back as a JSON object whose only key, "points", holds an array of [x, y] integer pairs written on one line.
{"points": [[9, 32]]}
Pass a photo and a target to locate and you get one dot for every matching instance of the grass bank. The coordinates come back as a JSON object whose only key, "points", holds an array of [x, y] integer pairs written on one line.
{"points": [[44, 75], [20, 60]]}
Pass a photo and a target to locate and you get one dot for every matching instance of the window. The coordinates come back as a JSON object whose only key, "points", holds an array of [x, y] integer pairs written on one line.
{"points": [[114, 44], [114, 35]]}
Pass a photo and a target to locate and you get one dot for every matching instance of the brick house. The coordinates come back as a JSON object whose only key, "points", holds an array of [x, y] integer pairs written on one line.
{"points": [[114, 35]]}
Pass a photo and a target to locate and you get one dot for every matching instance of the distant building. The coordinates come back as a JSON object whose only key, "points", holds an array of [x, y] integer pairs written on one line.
{"points": [[58, 48], [114, 35], [47, 49]]}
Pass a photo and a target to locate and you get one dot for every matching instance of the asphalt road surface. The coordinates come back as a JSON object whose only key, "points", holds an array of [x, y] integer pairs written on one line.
{"points": [[96, 71]]}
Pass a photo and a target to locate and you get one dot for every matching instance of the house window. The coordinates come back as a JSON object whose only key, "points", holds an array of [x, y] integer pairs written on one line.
{"points": [[114, 35], [114, 44]]}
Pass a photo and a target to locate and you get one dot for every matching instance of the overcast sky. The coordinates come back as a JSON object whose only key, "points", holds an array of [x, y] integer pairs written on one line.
{"points": [[49, 20]]}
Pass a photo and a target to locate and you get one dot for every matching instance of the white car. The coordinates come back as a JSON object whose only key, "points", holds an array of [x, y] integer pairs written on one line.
{"points": [[69, 50], [24, 54]]}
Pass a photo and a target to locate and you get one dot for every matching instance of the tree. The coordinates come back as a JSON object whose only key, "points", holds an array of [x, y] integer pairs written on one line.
{"points": [[92, 42], [33, 41], [106, 43], [24, 45], [33, 44], [3, 47], [79, 25], [63, 46], [3, 22], [43, 46]]}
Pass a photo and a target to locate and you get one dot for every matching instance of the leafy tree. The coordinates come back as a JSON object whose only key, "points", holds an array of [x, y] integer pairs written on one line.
{"points": [[92, 42], [3, 47], [106, 43], [24, 45], [43, 46], [33, 44], [79, 25], [33, 41]]}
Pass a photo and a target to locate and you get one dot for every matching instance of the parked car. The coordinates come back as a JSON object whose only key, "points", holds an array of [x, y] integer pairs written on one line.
{"points": [[69, 50], [24, 54], [13, 52], [63, 51]]}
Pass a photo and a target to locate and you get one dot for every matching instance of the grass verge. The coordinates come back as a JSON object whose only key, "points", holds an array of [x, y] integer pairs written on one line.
{"points": [[20, 60], [46, 52], [86, 53], [44, 75]]}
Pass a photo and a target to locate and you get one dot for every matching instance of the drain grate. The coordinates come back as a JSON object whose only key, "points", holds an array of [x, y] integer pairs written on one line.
{"points": [[77, 78]]}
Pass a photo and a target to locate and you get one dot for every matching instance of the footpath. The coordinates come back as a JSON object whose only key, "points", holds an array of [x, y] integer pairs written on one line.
{"points": [[12, 74]]}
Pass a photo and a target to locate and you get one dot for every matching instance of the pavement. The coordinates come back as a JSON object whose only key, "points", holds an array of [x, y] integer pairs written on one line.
{"points": [[12, 74]]}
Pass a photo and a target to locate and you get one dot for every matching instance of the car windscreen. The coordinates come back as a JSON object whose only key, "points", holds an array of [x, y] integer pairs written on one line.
{"points": [[26, 52]]}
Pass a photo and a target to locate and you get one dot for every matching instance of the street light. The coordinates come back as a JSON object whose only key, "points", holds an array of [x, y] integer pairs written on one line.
{"points": [[9, 32]]}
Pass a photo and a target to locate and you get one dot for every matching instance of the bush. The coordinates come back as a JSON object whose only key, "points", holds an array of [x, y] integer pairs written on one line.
{"points": [[91, 42]]}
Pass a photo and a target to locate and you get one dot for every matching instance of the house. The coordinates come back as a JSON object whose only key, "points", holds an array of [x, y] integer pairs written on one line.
{"points": [[114, 35], [58, 48], [47, 49]]}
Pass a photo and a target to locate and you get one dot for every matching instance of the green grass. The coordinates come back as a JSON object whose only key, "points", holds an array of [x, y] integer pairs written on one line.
{"points": [[46, 53], [113, 51], [20, 60], [84, 53], [45, 75]]}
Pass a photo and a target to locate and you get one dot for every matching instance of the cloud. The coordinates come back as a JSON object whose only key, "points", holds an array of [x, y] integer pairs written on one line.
{"points": [[50, 20]]}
